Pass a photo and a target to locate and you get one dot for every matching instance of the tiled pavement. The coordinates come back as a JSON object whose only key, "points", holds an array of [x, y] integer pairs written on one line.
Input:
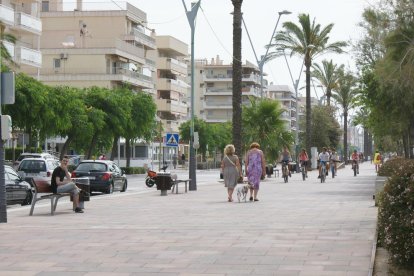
{"points": [[300, 228]]}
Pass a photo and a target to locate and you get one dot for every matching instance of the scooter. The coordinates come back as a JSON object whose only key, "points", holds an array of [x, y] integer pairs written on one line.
{"points": [[151, 178]]}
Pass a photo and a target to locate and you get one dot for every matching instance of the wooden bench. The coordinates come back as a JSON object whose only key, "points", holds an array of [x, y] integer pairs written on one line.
{"points": [[176, 182], [43, 190]]}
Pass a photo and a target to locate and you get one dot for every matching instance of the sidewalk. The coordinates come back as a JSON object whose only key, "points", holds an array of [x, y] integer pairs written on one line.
{"points": [[299, 228]]}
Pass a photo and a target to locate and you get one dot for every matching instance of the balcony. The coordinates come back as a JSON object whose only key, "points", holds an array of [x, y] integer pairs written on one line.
{"points": [[7, 15], [223, 105], [28, 56], [172, 85], [92, 75], [214, 91], [138, 36], [170, 126], [164, 63], [175, 107], [10, 48], [28, 23], [217, 78], [150, 64]]}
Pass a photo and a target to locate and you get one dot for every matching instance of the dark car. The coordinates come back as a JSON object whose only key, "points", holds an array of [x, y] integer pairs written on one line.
{"points": [[18, 191], [104, 175]]}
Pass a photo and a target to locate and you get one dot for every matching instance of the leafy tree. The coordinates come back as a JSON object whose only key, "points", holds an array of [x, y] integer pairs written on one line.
{"points": [[327, 74], [6, 58], [263, 123], [308, 40], [237, 76], [325, 128], [204, 133]]}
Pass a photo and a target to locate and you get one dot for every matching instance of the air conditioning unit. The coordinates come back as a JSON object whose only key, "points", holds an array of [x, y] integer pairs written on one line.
{"points": [[63, 56]]}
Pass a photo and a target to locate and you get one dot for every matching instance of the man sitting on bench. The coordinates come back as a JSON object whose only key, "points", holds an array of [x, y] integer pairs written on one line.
{"points": [[61, 185]]}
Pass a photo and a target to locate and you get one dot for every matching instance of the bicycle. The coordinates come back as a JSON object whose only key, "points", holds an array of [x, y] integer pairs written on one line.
{"points": [[355, 167], [303, 170], [285, 171], [323, 171]]}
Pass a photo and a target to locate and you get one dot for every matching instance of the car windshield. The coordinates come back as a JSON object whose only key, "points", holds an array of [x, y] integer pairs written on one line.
{"points": [[28, 165], [92, 167]]}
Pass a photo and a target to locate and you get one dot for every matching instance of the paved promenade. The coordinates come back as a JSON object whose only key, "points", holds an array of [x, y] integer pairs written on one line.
{"points": [[300, 228]]}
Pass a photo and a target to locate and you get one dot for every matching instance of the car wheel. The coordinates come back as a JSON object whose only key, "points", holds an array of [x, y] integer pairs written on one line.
{"points": [[124, 188], [110, 188], [28, 199]]}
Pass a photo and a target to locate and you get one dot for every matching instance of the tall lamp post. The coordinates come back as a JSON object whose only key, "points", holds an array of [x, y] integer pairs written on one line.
{"points": [[191, 16], [262, 61]]}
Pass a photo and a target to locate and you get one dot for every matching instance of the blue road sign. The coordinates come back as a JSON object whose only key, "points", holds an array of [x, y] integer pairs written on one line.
{"points": [[172, 140]]}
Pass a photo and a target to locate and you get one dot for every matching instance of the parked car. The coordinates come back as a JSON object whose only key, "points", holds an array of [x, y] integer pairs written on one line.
{"points": [[104, 175], [18, 191], [37, 168], [24, 155]]}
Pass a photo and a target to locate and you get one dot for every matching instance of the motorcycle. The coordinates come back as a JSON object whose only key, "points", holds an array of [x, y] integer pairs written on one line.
{"points": [[151, 178]]}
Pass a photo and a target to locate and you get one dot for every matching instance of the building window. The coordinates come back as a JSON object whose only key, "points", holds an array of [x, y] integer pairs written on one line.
{"points": [[45, 6], [56, 63], [141, 152]]}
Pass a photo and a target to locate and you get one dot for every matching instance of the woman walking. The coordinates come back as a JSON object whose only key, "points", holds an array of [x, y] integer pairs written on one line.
{"points": [[255, 169], [230, 165]]}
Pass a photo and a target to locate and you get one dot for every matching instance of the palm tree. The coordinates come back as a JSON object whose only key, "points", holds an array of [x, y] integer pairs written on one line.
{"points": [[4, 53], [237, 76], [328, 76], [345, 96], [307, 40]]}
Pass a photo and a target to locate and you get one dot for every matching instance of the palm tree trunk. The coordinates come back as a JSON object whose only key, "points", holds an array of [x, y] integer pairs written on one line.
{"points": [[237, 76], [346, 137], [308, 111], [328, 96]]}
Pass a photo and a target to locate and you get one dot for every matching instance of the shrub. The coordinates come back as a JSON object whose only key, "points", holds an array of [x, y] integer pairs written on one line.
{"points": [[396, 166], [134, 170], [396, 213]]}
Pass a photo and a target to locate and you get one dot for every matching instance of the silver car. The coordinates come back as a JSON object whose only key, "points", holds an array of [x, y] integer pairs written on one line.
{"points": [[37, 168]]}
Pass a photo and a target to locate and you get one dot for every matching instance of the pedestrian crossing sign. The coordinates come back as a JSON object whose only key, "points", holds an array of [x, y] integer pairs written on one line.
{"points": [[172, 140]]}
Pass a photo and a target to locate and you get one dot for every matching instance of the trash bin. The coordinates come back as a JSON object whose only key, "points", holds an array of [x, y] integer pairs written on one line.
{"points": [[84, 195], [163, 182], [269, 170]]}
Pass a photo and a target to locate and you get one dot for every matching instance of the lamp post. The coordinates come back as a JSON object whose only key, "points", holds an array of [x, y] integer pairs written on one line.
{"points": [[262, 61], [191, 16]]}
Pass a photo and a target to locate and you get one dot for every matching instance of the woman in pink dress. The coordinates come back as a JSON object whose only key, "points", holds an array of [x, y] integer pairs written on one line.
{"points": [[255, 169]]}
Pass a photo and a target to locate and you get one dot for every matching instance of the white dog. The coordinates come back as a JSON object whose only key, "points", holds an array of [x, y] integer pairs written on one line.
{"points": [[242, 192]]}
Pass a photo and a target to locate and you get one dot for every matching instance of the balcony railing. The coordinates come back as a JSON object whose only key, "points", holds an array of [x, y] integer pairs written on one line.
{"points": [[142, 38], [6, 15], [28, 56], [28, 22], [10, 48]]}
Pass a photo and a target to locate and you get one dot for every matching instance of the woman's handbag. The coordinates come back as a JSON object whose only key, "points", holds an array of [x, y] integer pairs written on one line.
{"points": [[240, 179]]}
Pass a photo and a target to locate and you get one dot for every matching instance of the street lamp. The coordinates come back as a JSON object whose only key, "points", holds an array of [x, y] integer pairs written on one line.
{"points": [[191, 16], [262, 61]]}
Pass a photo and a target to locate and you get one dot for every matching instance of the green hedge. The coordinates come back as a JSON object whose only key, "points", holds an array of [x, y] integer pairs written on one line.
{"points": [[134, 170], [396, 212], [8, 152]]}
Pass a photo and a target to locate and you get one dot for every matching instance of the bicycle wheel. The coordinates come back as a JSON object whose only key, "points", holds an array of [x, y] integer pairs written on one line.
{"points": [[323, 175], [355, 170], [286, 178], [303, 174], [333, 171]]}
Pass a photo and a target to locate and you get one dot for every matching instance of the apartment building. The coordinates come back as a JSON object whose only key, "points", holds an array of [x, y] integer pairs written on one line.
{"points": [[286, 95], [171, 82], [96, 44], [214, 88], [22, 20]]}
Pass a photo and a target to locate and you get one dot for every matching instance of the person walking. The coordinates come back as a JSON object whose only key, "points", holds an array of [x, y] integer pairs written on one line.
{"points": [[230, 165], [174, 160], [377, 160], [255, 169]]}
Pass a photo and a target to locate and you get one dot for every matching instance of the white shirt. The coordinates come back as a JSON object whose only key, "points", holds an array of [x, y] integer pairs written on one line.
{"points": [[324, 156]]}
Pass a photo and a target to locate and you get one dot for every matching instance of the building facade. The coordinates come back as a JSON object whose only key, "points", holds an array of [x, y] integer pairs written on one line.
{"points": [[84, 47], [22, 20], [287, 98], [214, 88]]}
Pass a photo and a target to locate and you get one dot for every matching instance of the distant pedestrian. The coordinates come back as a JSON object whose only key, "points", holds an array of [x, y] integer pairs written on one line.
{"points": [[255, 169], [174, 160], [230, 165], [102, 157], [377, 160], [183, 159]]}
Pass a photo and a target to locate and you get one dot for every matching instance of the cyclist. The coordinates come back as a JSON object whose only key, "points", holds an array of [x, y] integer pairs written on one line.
{"points": [[285, 158], [355, 159], [323, 159], [334, 159], [303, 159]]}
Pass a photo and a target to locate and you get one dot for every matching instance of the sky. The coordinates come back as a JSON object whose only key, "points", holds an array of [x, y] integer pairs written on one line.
{"points": [[213, 33]]}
